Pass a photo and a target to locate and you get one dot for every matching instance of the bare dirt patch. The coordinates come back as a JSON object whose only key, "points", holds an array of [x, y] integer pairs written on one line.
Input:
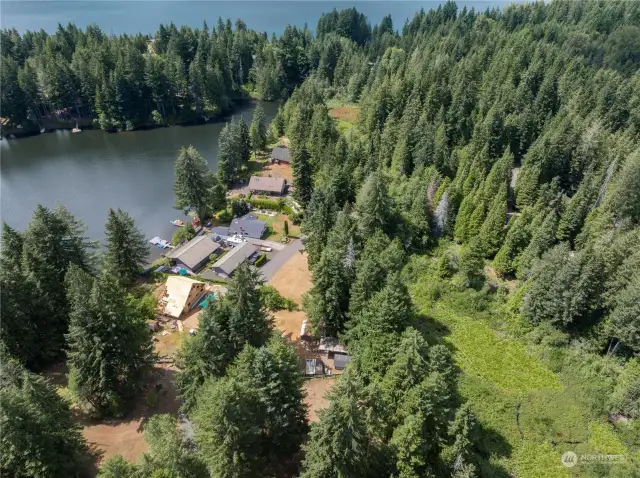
{"points": [[294, 278], [273, 170], [345, 113], [316, 390], [124, 436]]}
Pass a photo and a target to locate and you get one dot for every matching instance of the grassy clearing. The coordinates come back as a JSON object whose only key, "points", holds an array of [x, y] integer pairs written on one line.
{"points": [[533, 402], [275, 227], [345, 114]]}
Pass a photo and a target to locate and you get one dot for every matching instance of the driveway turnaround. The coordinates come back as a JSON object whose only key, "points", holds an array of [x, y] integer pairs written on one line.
{"points": [[280, 258]]}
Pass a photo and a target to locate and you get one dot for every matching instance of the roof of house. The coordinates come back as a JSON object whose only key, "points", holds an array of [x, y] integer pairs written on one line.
{"points": [[248, 225], [194, 251], [178, 289], [272, 185], [236, 256], [330, 344], [340, 361], [281, 154]]}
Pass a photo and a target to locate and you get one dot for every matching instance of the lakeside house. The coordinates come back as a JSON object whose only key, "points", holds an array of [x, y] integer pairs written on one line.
{"points": [[280, 154], [181, 294], [270, 186], [247, 226], [194, 255], [227, 264]]}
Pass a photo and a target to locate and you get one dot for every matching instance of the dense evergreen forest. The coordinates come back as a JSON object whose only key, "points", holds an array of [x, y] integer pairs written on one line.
{"points": [[472, 238]]}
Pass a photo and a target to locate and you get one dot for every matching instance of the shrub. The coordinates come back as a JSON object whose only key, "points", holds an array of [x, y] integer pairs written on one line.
{"points": [[296, 218], [225, 216], [626, 395], [239, 207], [272, 299], [185, 233]]}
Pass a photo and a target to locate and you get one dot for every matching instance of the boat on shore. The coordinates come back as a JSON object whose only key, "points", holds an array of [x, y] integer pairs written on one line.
{"points": [[177, 222]]}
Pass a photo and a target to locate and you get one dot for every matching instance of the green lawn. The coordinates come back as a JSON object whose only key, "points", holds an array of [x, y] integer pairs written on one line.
{"points": [[275, 226], [529, 414]]}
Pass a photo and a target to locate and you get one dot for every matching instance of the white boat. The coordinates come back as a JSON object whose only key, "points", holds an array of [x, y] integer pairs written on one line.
{"points": [[76, 129], [177, 222]]}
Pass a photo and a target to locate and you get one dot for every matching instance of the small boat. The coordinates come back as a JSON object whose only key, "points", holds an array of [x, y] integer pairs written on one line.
{"points": [[76, 129], [177, 222]]}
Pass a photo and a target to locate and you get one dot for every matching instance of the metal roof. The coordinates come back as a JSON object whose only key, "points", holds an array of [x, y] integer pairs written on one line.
{"points": [[236, 256], [272, 185], [281, 154], [194, 251], [341, 361]]}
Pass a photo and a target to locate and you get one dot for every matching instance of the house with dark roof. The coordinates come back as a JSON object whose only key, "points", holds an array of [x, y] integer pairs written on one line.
{"points": [[263, 185], [194, 254], [247, 226], [280, 154], [227, 264]]}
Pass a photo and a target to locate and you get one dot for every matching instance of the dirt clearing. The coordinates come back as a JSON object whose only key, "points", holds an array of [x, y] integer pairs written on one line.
{"points": [[277, 171], [294, 278], [345, 113], [316, 389]]}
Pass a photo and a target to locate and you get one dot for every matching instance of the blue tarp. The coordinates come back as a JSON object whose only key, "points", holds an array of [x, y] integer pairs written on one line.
{"points": [[205, 302]]}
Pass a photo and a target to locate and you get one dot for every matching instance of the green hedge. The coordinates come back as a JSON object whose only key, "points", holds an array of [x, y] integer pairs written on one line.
{"points": [[265, 204]]}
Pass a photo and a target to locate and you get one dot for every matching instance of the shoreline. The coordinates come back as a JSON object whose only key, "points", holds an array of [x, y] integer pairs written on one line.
{"points": [[15, 134]]}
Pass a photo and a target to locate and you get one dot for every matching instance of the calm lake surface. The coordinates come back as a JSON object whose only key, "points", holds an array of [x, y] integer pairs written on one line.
{"points": [[145, 15], [90, 172]]}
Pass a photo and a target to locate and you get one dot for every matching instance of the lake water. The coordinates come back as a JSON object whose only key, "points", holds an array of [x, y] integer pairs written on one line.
{"points": [[144, 16], [90, 172]]}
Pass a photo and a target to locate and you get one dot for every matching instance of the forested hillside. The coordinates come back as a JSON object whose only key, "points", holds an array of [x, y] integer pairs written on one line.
{"points": [[472, 238], [487, 196]]}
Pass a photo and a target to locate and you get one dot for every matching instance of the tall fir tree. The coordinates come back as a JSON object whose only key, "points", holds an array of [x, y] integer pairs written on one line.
{"points": [[228, 154], [302, 175], [109, 343], [243, 142], [194, 185], [126, 247], [258, 130], [39, 437]]}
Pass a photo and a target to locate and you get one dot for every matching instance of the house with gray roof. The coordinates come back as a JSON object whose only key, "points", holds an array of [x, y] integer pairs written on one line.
{"points": [[248, 226], [264, 185], [194, 254], [280, 154], [227, 264]]}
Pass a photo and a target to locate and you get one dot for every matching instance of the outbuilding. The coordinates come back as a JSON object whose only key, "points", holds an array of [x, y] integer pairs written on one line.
{"points": [[280, 154]]}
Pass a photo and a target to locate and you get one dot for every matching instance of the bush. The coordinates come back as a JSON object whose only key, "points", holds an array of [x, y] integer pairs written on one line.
{"points": [[260, 260], [239, 207], [183, 234], [225, 216], [626, 395], [272, 299], [296, 218]]}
